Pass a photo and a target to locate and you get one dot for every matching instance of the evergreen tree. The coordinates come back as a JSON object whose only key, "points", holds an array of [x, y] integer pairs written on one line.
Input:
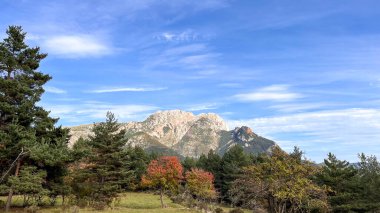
{"points": [[369, 181], [105, 170], [232, 164], [188, 163], [212, 163], [27, 133], [138, 162], [29, 184], [352, 189], [341, 178]]}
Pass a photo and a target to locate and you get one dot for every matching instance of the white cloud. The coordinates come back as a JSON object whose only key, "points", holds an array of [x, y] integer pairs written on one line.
{"points": [[201, 107], [187, 35], [297, 107], [128, 89], [343, 132], [194, 57], [89, 112], [72, 46], [333, 126], [270, 93], [55, 90], [352, 121]]}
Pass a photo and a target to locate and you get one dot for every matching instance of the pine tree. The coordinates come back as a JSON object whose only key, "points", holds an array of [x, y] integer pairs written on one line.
{"points": [[232, 163], [188, 163], [28, 135], [369, 182], [212, 163], [138, 162], [30, 184], [105, 170], [342, 180]]}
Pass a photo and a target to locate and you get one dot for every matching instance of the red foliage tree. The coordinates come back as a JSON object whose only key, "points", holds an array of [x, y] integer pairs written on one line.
{"points": [[165, 173], [200, 184]]}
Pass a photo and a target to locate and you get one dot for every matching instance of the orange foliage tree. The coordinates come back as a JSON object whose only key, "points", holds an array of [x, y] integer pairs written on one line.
{"points": [[165, 173], [200, 184]]}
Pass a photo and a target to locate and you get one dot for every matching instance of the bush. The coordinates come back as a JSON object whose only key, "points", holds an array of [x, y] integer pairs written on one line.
{"points": [[81, 203], [236, 211], [218, 210], [99, 205]]}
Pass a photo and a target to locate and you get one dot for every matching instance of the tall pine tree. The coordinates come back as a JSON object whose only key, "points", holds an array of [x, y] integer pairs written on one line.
{"points": [[27, 133], [212, 163], [233, 162], [105, 170], [342, 180], [369, 173]]}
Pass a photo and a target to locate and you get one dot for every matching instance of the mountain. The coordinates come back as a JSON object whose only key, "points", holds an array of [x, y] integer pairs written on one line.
{"points": [[185, 134]]}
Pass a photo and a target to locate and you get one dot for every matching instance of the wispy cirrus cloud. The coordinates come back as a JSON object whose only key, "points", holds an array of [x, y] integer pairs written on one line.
{"points": [[55, 90], [127, 89], [198, 58], [93, 111], [73, 46], [298, 107], [187, 35], [325, 130], [202, 107], [271, 93]]}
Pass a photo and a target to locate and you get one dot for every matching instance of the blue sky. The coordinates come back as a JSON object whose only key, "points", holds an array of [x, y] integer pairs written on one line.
{"points": [[303, 73]]}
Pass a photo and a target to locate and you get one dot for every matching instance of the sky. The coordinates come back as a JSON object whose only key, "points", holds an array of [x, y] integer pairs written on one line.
{"points": [[302, 73]]}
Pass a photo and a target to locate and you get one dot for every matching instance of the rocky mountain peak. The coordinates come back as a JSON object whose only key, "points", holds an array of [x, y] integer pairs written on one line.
{"points": [[215, 119], [170, 116], [243, 133], [171, 126], [186, 134]]}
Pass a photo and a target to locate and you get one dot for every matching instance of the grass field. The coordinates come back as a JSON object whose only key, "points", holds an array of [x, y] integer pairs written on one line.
{"points": [[131, 202]]}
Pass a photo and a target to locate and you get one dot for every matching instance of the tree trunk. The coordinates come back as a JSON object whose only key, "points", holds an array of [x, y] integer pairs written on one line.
{"points": [[271, 205], [283, 207], [10, 195], [161, 197]]}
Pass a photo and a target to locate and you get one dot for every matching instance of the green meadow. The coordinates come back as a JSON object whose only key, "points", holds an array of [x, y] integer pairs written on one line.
{"points": [[130, 202]]}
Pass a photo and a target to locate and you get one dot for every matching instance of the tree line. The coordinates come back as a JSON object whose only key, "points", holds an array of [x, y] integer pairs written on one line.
{"points": [[36, 161]]}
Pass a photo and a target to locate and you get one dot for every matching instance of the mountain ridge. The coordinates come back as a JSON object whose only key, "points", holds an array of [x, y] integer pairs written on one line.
{"points": [[181, 132]]}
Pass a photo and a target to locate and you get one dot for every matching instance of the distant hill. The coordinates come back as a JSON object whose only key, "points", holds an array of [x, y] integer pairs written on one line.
{"points": [[185, 134]]}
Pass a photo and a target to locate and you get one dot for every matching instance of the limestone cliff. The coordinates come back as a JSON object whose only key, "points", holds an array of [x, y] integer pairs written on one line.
{"points": [[185, 134]]}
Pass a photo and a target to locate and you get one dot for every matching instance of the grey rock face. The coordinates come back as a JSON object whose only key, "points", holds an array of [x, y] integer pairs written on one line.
{"points": [[186, 134]]}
